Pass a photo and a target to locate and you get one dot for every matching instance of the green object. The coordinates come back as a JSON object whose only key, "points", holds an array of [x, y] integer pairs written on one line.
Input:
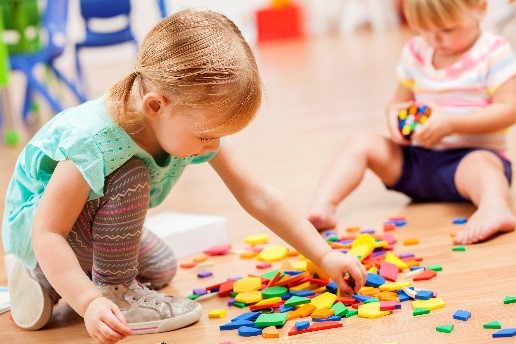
{"points": [[339, 309], [274, 292], [493, 325], [435, 267], [509, 299], [11, 137], [445, 328], [270, 274], [332, 239], [351, 312], [22, 17], [373, 299], [420, 311], [239, 304], [233, 294], [4, 57], [273, 319], [459, 248], [193, 296], [297, 300]]}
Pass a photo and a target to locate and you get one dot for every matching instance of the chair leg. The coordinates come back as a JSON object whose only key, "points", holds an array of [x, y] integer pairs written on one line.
{"points": [[78, 73], [69, 84], [27, 102], [41, 89]]}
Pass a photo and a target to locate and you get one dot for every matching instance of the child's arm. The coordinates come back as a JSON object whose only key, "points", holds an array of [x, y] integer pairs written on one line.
{"points": [[403, 98], [59, 208], [273, 210], [500, 114]]}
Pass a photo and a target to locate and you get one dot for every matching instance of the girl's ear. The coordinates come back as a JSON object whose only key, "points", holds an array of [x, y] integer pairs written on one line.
{"points": [[153, 105]]}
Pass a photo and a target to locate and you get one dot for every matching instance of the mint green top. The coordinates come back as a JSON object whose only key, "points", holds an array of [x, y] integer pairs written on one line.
{"points": [[88, 136]]}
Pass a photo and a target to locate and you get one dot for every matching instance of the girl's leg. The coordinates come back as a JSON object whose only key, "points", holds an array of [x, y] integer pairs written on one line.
{"points": [[344, 174], [156, 262], [106, 237], [480, 177]]}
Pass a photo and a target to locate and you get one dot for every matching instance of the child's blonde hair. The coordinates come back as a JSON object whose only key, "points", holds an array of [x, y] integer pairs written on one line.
{"points": [[198, 59], [438, 14]]}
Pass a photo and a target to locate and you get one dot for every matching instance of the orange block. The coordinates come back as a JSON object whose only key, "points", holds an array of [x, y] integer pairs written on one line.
{"points": [[411, 241], [322, 313]]}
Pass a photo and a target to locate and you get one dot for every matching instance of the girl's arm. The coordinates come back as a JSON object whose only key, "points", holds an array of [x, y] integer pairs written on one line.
{"points": [[500, 114], [61, 204], [277, 213]]}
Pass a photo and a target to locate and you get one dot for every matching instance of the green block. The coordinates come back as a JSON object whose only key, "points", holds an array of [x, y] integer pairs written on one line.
{"points": [[233, 294], [297, 300], [445, 328], [459, 248], [272, 319], [420, 311], [493, 325], [435, 267], [11, 137], [351, 312], [373, 299], [332, 239], [270, 274], [193, 296], [339, 309], [239, 304], [274, 292], [509, 299]]}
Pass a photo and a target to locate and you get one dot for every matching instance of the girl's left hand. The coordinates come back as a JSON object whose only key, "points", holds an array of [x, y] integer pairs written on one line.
{"points": [[434, 129], [336, 264]]}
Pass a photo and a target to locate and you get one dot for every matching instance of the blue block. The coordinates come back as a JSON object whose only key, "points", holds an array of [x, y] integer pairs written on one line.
{"points": [[332, 287], [303, 293], [332, 318], [460, 220], [462, 315], [236, 324], [361, 298], [245, 331], [301, 325], [402, 296], [284, 308], [249, 316], [286, 296], [374, 280], [292, 272], [424, 295], [505, 332]]}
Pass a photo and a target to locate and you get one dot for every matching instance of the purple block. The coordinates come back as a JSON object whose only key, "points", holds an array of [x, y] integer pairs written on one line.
{"points": [[204, 274], [367, 231], [406, 255], [200, 291]]}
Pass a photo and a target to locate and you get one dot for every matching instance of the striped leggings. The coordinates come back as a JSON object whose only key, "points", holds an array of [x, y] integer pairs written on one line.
{"points": [[109, 238]]}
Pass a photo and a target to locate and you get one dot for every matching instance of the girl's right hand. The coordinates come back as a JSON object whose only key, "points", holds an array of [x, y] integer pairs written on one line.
{"points": [[104, 322], [392, 123]]}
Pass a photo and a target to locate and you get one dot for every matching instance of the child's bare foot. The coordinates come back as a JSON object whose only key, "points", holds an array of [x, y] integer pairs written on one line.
{"points": [[486, 222], [322, 218]]}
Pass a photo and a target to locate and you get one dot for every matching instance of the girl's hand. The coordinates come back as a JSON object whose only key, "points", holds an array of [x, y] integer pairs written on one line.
{"points": [[434, 129], [336, 264], [104, 322], [392, 123]]}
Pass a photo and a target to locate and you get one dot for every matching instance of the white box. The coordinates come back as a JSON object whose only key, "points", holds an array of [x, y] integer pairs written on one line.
{"points": [[188, 234]]}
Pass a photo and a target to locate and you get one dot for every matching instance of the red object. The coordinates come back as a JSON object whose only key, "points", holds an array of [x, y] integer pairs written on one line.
{"points": [[279, 23], [263, 265], [425, 275], [188, 265], [219, 250], [325, 325], [389, 271]]}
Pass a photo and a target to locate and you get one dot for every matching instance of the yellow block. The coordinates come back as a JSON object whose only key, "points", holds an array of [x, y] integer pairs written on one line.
{"points": [[371, 310], [249, 297], [322, 313], [302, 286], [431, 304], [391, 258], [248, 254], [299, 266], [200, 258], [364, 239], [373, 270], [272, 253], [320, 289], [247, 284], [361, 252], [217, 313], [270, 301], [392, 286], [324, 300], [256, 239]]}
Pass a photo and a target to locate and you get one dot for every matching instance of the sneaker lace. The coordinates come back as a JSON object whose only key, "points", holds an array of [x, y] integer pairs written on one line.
{"points": [[148, 295]]}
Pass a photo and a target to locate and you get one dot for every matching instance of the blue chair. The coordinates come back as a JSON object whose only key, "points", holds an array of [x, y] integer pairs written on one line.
{"points": [[54, 22], [103, 9], [162, 6]]}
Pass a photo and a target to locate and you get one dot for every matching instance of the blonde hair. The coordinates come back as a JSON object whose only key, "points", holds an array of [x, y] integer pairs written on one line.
{"points": [[198, 59], [438, 14]]}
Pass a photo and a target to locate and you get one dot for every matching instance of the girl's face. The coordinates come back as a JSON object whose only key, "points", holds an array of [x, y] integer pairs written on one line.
{"points": [[177, 131], [453, 40]]}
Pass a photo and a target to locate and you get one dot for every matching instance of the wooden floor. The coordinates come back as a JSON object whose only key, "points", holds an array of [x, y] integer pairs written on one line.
{"points": [[317, 92]]}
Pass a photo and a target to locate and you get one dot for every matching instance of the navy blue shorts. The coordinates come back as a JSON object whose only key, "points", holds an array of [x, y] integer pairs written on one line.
{"points": [[429, 175]]}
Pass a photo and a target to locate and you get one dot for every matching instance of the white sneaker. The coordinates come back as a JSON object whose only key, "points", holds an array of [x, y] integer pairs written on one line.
{"points": [[32, 297], [147, 311]]}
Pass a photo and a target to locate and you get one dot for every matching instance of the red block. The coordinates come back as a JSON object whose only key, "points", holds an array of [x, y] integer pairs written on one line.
{"points": [[279, 23]]}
